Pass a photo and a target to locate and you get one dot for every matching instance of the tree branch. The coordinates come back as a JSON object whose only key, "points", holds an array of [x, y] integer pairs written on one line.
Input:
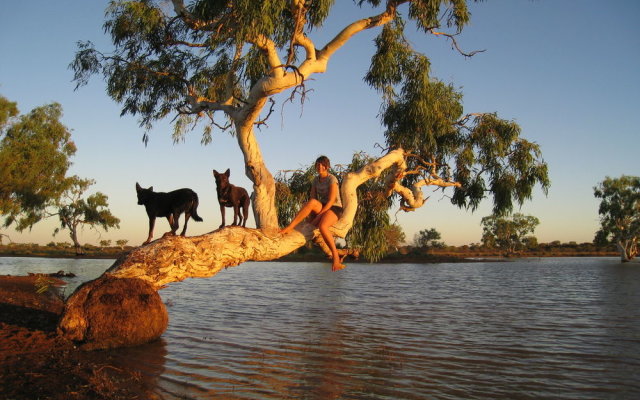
{"points": [[299, 11], [358, 26], [175, 258], [454, 43], [199, 104], [263, 121], [273, 59]]}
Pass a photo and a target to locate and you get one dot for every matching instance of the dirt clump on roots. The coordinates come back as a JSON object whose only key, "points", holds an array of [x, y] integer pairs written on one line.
{"points": [[114, 312], [37, 363]]}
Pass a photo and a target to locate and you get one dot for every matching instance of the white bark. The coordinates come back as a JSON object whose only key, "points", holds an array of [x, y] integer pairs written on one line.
{"points": [[175, 258], [628, 249], [263, 198], [395, 162]]}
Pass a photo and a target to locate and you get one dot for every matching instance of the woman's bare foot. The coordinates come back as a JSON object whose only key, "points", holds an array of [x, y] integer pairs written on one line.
{"points": [[337, 267]]}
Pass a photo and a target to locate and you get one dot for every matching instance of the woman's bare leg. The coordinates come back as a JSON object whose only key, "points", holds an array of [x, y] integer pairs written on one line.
{"points": [[312, 205], [328, 219]]}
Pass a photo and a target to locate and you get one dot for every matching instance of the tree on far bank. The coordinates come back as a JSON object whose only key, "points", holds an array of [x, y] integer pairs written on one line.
{"points": [[509, 234], [428, 238], [74, 211], [619, 214], [34, 158], [394, 236]]}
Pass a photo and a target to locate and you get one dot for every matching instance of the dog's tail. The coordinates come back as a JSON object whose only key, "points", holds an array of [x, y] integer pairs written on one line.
{"points": [[194, 208]]}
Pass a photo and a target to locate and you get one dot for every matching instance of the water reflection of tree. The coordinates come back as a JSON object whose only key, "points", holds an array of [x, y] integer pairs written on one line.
{"points": [[146, 362], [341, 359]]}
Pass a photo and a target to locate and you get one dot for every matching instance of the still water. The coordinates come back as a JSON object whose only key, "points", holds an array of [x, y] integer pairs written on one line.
{"points": [[557, 328]]}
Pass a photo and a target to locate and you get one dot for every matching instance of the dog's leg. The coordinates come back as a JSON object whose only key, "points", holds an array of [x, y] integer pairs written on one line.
{"points": [[152, 222], [187, 215], [240, 217], [235, 214], [173, 224], [221, 213], [245, 208]]}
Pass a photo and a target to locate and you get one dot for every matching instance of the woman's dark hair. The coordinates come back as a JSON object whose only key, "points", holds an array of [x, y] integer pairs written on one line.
{"points": [[324, 160]]}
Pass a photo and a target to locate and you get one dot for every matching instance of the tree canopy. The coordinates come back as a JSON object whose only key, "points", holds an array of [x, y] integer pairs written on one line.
{"points": [[508, 233], [35, 151], [221, 61], [428, 238], [619, 214]]}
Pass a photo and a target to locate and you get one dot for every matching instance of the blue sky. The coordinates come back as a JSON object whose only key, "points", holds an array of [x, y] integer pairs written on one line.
{"points": [[565, 70]]}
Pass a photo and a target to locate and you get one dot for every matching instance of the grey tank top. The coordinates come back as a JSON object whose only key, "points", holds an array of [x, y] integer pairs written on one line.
{"points": [[322, 189]]}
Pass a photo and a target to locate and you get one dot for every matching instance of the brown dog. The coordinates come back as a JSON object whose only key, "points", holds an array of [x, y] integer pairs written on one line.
{"points": [[232, 196]]}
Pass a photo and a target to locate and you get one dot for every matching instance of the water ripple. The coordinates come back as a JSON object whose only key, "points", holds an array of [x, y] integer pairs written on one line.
{"points": [[531, 329]]}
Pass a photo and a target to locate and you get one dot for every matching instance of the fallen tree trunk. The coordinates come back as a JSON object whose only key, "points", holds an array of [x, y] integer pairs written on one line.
{"points": [[123, 308]]}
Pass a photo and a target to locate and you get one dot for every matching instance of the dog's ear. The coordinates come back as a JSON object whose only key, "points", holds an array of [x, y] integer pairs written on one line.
{"points": [[150, 188], [215, 173], [227, 172], [138, 188]]}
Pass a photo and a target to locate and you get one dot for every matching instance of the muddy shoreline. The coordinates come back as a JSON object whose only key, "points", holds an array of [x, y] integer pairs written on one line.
{"points": [[36, 363]]}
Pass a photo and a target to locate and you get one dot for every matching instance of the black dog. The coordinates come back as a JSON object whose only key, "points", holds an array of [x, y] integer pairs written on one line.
{"points": [[170, 205], [231, 196]]}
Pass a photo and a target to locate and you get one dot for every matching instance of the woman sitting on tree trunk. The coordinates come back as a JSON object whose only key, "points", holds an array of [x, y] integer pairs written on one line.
{"points": [[326, 205]]}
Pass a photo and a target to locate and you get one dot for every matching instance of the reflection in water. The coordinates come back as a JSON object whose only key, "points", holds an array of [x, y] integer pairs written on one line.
{"points": [[528, 329], [146, 362]]}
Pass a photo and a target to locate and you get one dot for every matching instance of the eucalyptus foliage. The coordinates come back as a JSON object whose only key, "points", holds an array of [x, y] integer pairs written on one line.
{"points": [[34, 158], [292, 192], [619, 214], [159, 58], [371, 223], [508, 233], [485, 154], [428, 238]]}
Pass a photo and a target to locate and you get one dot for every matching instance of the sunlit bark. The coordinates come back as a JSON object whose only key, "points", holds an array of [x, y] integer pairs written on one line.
{"points": [[628, 249]]}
